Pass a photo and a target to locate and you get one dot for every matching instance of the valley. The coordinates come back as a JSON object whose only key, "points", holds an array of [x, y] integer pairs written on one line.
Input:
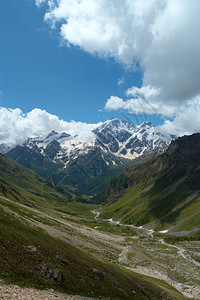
{"points": [[99, 150], [136, 249], [107, 246], [138, 239]]}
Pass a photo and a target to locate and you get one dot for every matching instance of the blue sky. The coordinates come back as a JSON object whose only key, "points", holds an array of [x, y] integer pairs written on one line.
{"points": [[36, 70], [67, 57]]}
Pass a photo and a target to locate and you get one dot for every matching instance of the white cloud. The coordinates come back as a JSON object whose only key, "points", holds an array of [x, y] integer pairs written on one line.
{"points": [[107, 27], [162, 36], [39, 2], [186, 121], [120, 81], [144, 92], [16, 127], [185, 117], [140, 105], [114, 103]]}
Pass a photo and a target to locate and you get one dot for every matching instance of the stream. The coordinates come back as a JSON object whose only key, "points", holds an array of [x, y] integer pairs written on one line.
{"points": [[96, 213], [181, 251]]}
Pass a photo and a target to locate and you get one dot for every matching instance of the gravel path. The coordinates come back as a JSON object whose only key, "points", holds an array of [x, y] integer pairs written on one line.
{"points": [[13, 292]]}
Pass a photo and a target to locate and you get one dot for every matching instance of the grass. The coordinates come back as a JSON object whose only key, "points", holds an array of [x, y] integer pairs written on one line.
{"points": [[180, 161], [153, 205], [20, 266]]}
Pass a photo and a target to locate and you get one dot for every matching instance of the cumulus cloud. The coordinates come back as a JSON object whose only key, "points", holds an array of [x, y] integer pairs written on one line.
{"points": [[184, 117], [161, 36], [186, 121], [139, 104], [16, 127], [108, 27], [114, 103]]}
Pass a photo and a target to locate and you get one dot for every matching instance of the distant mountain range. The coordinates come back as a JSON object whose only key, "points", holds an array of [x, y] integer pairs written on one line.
{"points": [[72, 161]]}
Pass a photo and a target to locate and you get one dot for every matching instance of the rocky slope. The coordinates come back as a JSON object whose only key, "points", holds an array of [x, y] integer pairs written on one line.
{"points": [[13, 292]]}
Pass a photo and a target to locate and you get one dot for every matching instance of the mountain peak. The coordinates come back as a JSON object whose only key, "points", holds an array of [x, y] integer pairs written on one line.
{"points": [[52, 133], [146, 123], [64, 135], [117, 124]]}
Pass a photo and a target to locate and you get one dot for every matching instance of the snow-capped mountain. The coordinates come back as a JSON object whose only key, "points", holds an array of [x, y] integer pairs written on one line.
{"points": [[120, 138], [4, 148], [61, 146], [73, 160], [128, 140]]}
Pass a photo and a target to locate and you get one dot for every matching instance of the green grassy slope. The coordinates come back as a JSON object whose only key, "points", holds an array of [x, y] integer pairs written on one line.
{"points": [[77, 175], [25, 186], [96, 185], [162, 192], [31, 257], [79, 272]]}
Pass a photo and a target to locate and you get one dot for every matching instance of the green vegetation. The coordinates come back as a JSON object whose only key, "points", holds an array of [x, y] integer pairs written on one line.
{"points": [[50, 239], [21, 265], [87, 174], [31, 257], [162, 191], [27, 187]]}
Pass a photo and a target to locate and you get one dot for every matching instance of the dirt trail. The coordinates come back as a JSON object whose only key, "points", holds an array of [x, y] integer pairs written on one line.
{"points": [[13, 292]]}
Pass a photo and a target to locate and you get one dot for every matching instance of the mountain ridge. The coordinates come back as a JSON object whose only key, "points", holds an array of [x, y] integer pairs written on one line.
{"points": [[127, 135], [64, 155]]}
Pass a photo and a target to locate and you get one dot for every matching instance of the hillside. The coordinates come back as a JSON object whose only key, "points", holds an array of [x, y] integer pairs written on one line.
{"points": [[27, 187], [44, 245], [161, 193]]}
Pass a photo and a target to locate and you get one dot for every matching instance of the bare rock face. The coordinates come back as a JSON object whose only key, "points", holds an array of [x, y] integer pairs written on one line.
{"points": [[54, 274]]}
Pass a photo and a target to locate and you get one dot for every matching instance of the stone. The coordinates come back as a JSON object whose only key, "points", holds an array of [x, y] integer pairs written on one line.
{"points": [[32, 249], [62, 260], [98, 274], [54, 274]]}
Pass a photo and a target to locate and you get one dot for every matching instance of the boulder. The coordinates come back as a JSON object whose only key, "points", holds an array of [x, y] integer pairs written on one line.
{"points": [[54, 274]]}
